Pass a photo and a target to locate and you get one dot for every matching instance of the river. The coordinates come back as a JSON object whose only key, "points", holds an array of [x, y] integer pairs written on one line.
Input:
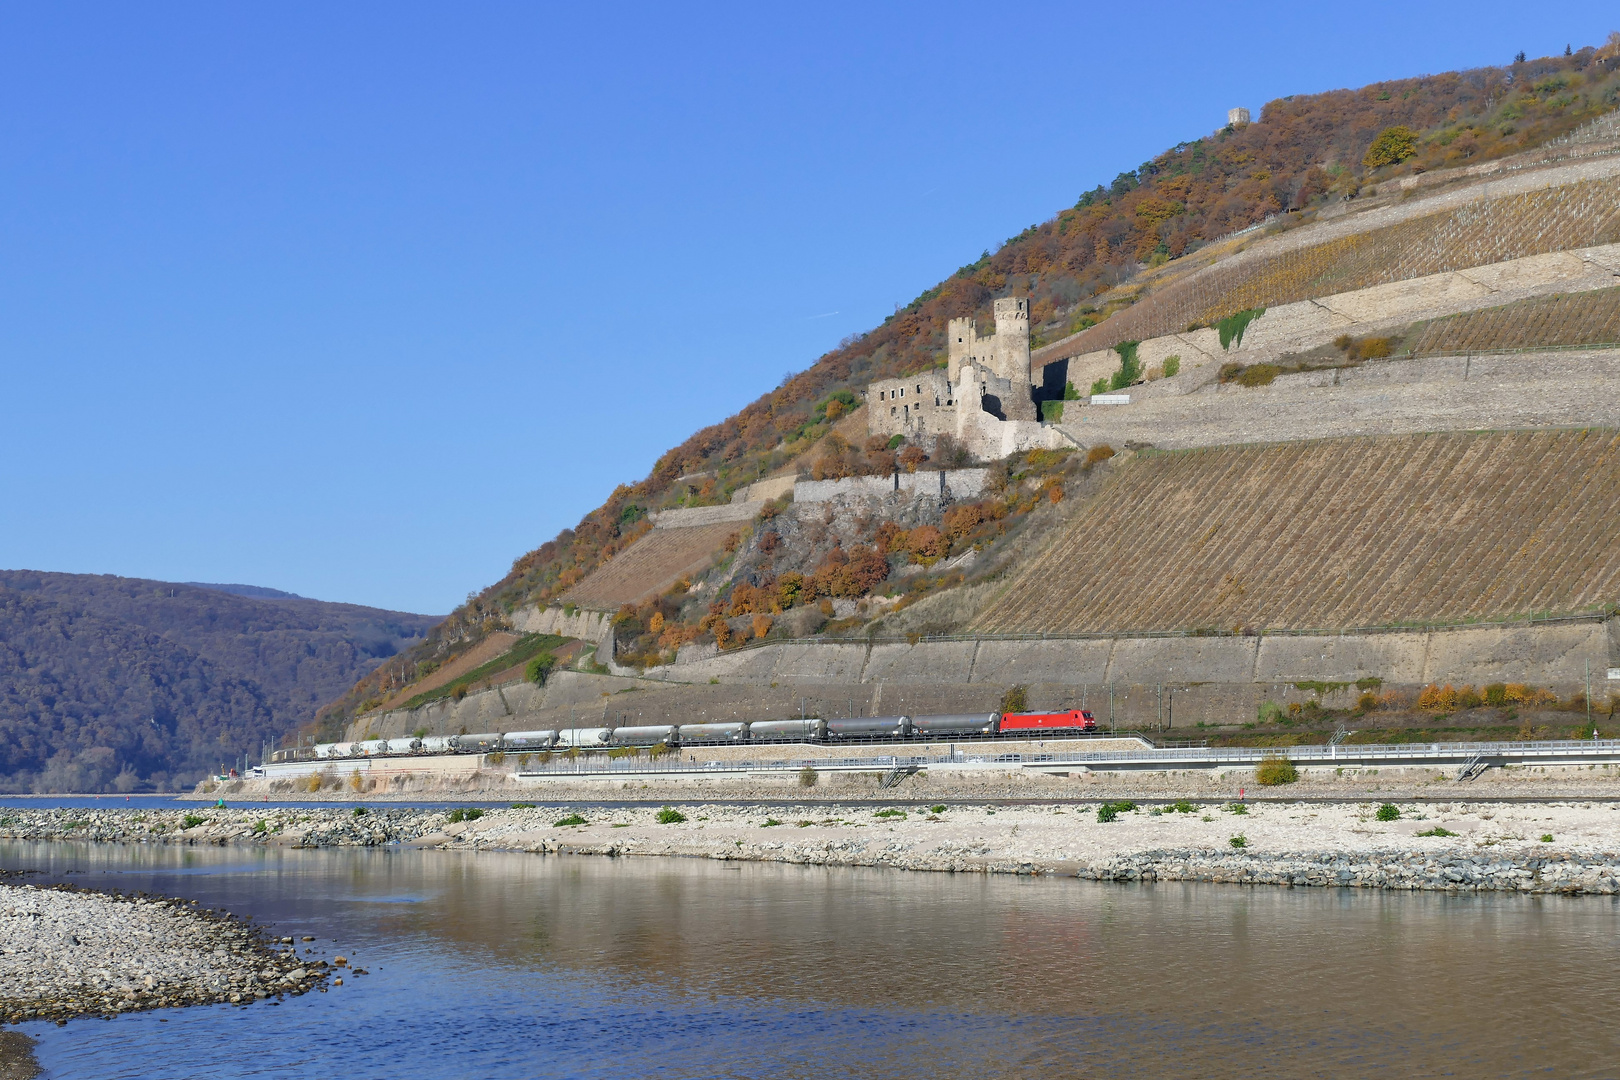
{"points": [[486, 965]]}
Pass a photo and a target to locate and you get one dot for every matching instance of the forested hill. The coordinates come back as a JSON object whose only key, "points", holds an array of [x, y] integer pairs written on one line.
{"points": [[1300, 155], [110, 683]]}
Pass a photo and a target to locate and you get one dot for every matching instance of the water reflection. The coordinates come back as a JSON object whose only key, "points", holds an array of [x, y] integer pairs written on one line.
{"points": [[519, 965]]}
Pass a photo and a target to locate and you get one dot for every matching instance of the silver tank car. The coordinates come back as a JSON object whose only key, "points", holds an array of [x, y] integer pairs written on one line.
{"points": [[435, 744], [644, 735], [476, 743], [400, 746], [868, 727], [711, 733], [529, 740], [956, 724], [583, 736], [372, 746], [767, 730]]}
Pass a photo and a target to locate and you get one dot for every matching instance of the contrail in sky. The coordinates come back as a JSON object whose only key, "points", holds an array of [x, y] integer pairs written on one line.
{"points": [[821, 316]]}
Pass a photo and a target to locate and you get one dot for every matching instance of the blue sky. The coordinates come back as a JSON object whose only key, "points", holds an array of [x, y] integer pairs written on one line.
{"points": [[363, 301]]}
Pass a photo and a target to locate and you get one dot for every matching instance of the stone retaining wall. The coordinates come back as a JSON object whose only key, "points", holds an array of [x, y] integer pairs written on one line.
{"points": [[1131, 682], [946, 483]]}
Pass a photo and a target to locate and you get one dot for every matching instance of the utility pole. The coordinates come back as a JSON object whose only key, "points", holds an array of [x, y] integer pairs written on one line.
{"points": [[1589, 696], [1110, 706]]}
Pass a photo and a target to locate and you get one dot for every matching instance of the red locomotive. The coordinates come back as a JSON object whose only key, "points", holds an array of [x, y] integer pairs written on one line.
{"points": [[1073, 720]]}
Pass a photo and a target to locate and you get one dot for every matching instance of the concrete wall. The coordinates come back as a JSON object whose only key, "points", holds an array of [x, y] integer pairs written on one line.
{"points": [[1140, 681], [1545, 654]]}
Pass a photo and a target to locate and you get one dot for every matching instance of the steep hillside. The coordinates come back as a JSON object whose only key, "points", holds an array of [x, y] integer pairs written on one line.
{"points": [[1139, 255], [1334, 534], [134, 684]]}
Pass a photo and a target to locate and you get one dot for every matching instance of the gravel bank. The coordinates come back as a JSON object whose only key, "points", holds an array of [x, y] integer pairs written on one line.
{"points": [[1439, 845], [946, 784], [66, 953]]}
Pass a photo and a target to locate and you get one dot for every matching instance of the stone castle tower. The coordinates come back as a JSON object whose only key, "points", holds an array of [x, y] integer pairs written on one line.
{"points": [[1005, 354], [1237, 117]]}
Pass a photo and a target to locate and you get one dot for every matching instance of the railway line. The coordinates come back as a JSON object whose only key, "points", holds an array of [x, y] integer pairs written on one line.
{"points": [[1464, 760]]}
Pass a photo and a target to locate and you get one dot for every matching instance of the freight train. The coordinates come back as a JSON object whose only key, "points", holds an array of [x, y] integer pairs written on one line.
{"points": [[810, 730]]}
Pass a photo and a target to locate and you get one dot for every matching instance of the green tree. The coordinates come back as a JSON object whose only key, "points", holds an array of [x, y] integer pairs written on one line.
{"points": [[1393, 146]]}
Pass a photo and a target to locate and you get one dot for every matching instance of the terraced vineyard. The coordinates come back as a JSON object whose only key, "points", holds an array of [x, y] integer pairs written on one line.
{"points": [[1576, 215], [1590, 318], [1332, 534], [650, 565]]}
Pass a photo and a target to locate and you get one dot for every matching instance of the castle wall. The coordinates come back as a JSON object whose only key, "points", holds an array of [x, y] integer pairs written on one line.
{"points": [[918, 406], [947, 483]]}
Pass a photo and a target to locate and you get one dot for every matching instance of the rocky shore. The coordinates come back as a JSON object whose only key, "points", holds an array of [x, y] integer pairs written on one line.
{"points": [[1530, 847], [67, 953]]}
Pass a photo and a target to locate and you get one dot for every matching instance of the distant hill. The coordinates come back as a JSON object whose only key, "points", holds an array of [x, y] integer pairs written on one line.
{"points": [[110, 683], [258, 591]]}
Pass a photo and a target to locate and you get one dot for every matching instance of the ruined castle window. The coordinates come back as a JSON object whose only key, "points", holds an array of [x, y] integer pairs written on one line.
{"points": [[902, 391], [919, 388], [936, 399], [893, 410]]}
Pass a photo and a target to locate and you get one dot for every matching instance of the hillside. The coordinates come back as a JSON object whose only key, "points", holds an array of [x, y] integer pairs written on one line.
{"points": [[111, 683], [1379, 206], [1335, 533]]}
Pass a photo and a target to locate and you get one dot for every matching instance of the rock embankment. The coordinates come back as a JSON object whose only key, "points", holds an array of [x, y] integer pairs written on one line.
{"points": [[67, 953], [1564, 847]]}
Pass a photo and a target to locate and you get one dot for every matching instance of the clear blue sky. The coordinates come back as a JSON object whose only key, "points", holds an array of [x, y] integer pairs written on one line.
{"points": [[363, 301]]}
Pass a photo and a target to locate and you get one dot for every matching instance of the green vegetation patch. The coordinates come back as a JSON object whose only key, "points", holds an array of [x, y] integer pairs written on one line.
{"points": [[1274, 770], [1232, 327], [1110, 811], [535, 651]]}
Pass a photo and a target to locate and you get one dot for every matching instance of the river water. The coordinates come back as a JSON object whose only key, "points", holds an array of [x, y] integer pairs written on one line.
{"points": [[488, 965]]}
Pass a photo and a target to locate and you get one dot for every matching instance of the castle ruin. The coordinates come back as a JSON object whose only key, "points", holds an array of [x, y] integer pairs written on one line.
{"points": [[983, 397]]}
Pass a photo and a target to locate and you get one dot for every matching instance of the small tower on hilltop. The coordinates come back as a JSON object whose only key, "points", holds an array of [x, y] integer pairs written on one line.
{"points": [[1237, 117]]}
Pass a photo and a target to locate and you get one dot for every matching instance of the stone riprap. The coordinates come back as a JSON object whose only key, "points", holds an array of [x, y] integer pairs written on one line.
{"points": [[300, 827], [67, 953], [1567, 847]]}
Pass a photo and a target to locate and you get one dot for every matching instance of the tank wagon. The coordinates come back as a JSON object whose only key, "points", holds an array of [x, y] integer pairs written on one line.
{"points": [[812, 730]]}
